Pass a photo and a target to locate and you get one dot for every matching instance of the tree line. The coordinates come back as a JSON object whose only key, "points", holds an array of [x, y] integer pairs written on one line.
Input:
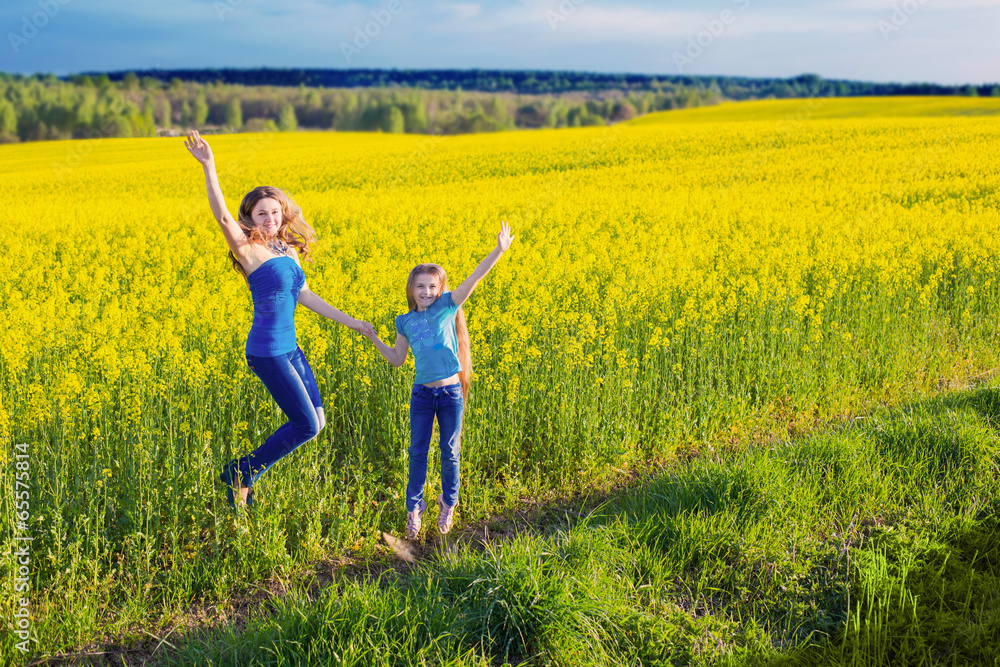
{"points": [[131, 104], [545, 82]]}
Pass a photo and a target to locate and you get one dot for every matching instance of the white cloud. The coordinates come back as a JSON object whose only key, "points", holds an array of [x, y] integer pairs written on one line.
{"points": [[463, 11], [774, 22], [596, 24], [622, 23], [883, 6]]}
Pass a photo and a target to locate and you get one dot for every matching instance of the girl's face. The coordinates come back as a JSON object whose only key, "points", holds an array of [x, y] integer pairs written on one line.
{"points": [[427, 290], [266, 216]]}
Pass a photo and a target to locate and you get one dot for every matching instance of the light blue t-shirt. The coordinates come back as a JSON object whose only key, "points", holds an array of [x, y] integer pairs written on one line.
{"points": [[432, 338]]}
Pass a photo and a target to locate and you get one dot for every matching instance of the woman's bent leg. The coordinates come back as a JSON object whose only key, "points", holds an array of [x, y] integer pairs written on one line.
{"points": [[289, 390], [304, 370]]}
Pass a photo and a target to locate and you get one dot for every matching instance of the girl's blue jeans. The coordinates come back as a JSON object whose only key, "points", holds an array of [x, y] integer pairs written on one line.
{"points": [[293, 387], [447, 404]]}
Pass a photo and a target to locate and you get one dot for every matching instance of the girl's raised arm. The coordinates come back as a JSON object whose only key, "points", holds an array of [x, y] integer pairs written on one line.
{"points": [[460, 294], [202, 152]]}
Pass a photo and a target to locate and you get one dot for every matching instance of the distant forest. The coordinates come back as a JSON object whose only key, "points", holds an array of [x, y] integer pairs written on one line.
{"points": [[545, 82], [168, 102]]}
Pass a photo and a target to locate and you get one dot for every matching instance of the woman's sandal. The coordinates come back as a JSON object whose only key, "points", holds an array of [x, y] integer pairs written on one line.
{"points": [[227, 478]]}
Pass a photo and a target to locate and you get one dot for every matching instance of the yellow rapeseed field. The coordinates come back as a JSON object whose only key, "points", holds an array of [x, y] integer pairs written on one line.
{"points": [[670, 280]]}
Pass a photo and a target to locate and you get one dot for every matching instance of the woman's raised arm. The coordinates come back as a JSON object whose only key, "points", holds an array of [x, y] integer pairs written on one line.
{"points": [[202, 152]]}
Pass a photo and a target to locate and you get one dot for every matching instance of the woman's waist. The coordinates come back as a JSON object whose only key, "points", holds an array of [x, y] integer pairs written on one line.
{"points": [[271, 312], [270, 343], [271, 319], [264, 329]]}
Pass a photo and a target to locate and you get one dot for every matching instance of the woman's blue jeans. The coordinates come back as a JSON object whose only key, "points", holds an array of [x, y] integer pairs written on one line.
{"points": [[447, 404], [293, 387]]}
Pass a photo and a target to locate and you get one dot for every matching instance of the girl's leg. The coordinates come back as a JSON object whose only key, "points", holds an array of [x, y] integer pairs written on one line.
{"points": [[289, 391], [450, 409], [421, 427]]}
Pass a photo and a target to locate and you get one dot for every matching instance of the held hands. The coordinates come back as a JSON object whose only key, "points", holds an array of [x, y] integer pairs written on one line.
{"points": [[504, 238], [363, 328], [199, 148], [372, 335]]}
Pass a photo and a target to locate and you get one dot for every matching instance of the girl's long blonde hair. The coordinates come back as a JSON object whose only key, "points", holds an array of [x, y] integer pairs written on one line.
{"points": [[461, 330], [294, 229]]}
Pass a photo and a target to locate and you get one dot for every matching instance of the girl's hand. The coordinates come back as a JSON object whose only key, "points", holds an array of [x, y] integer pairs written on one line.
{"points": [[199, 148], [504, 238]]}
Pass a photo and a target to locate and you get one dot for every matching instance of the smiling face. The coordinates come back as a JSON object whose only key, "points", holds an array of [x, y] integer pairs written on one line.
{"points": [[267, 217], [426, 290], [425, 285]]}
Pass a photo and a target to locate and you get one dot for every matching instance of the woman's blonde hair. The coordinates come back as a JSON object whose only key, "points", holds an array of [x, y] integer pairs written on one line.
{"points": [[461, 330], [294, 230]]}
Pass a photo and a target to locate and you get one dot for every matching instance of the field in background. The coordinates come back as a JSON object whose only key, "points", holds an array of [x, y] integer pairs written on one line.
{"points": [[786, 112], [673, 287]]}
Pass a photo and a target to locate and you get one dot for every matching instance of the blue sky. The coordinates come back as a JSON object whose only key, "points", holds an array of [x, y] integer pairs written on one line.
{"points": [[941, 41]]}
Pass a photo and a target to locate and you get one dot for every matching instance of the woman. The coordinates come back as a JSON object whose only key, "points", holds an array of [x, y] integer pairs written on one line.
{"points": [[264, 244]]}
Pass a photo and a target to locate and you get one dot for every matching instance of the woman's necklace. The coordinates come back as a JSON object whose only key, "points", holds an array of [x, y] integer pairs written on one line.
{"points": [[277, 246]]}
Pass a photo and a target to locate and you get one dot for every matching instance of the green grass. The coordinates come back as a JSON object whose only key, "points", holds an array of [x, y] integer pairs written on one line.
{"points": [[826, 108], [870, 543]]}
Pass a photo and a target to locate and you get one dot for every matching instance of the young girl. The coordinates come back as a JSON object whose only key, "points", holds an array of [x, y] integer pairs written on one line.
{"points": [[264, 244], [435, 328]]}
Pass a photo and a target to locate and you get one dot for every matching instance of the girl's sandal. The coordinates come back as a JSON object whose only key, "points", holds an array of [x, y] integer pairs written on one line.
{"points": [[446, 515]]}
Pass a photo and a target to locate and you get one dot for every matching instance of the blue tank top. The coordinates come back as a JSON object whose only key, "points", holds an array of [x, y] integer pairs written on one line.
{"points": [[274, 287]]}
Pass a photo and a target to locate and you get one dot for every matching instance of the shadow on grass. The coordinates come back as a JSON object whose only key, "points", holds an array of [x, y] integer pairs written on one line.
{"points": [[933, 599]]}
